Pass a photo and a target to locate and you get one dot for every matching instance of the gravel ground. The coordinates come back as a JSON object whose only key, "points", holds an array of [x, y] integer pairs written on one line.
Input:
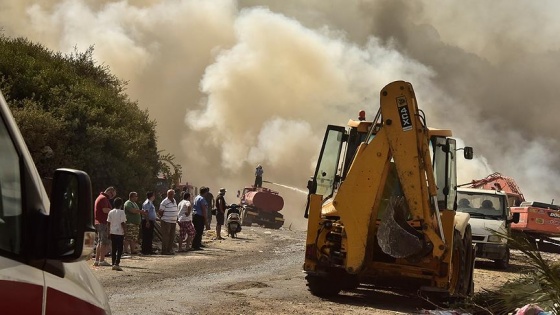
{"points": [[260, 272]]}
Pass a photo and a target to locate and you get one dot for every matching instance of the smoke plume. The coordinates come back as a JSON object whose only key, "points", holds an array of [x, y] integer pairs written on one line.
{"points": [[233, 84]]}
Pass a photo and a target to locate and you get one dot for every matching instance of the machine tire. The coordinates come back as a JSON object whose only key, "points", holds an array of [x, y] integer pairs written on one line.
{"points": [[323, 286], [504, 262], [470, 256], [459, 262], [244, 218], [350, 282]]}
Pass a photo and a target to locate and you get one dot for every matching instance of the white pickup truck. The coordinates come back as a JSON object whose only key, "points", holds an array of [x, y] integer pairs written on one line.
{"points": [[44, 242], [489, 212]]}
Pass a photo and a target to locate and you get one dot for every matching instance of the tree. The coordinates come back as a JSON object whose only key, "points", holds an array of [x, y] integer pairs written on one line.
{"points": [[74, 113], [169, 168]]}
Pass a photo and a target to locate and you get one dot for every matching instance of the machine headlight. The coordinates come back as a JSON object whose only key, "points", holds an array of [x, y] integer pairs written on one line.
{"points": [[494, 239]]}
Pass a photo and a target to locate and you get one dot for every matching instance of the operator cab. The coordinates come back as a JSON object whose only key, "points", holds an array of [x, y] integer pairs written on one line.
{"points": [[339, 148]]}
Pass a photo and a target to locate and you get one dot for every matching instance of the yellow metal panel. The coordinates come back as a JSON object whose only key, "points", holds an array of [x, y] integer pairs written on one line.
{"points": [[314, 217], [439, 132], [399, 115], [447, 218], [361, 126], [408, 140], [356, 197]]}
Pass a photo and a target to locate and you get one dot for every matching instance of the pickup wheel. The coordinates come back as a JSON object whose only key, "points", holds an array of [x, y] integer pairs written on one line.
{"points": [[504, 262], [323, 286]]}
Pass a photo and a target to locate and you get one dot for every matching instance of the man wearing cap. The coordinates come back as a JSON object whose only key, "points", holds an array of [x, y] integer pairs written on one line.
{"points": [[220, 213]]}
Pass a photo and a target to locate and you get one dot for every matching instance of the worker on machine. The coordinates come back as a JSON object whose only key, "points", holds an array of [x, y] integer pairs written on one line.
{"points": [[258, 176]]}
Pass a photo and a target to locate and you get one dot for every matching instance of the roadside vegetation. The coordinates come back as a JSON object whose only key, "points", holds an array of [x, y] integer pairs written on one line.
{"points": [[538, 284], [75, 113]]}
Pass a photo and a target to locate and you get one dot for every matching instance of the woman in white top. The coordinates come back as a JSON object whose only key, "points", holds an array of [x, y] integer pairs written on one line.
{"points": [[186, 228]]}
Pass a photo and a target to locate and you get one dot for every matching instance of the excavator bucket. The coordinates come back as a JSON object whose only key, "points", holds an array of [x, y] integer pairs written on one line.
{"points": [[395, 237]]}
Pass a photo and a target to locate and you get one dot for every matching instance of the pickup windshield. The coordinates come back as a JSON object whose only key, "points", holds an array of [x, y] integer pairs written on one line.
{"points": [[481, 205]]}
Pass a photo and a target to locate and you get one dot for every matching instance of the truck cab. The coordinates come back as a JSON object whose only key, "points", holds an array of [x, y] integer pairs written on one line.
{"points": [[44, 241], [489, 211]]}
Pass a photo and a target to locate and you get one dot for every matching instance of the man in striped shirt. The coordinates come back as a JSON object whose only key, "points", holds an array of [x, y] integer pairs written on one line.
{"points": [[168, 214]]}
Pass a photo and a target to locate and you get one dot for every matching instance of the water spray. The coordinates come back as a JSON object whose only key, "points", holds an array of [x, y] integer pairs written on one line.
{"points": [[286, 186]]}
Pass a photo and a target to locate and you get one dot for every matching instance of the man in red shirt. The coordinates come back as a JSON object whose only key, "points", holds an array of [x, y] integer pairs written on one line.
{"points": [[102, 208]]}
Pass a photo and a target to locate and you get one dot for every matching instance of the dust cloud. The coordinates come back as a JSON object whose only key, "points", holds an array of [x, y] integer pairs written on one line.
{"points": [[233, 84]]}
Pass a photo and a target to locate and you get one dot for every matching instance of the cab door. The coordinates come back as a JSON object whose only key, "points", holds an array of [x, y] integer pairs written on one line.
{"points": [[325, 178], [21, 285]]}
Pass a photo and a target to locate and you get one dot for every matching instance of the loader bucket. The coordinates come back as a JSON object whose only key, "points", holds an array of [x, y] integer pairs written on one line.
{"points": [[394, 235]]}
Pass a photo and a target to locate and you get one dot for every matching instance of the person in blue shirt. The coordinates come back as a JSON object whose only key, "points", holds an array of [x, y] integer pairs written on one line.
{"points": [[148, 223], [200, 212]]}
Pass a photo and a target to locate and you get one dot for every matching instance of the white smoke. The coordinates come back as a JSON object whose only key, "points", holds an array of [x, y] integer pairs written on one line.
{"points": [[235, 84]]}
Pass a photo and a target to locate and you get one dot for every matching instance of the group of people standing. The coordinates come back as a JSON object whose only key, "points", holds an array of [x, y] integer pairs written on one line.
{"points": [[119, 228]]}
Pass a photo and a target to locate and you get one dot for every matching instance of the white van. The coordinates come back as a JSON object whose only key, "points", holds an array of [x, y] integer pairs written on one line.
{"points": [[489, 212], [44, 243]]}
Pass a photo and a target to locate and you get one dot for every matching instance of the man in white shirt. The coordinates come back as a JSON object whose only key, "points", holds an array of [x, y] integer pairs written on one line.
{"points": [[168, 215]]}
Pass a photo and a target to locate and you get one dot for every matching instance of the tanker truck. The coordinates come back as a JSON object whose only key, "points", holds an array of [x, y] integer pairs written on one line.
{"points": [[262, 206]]}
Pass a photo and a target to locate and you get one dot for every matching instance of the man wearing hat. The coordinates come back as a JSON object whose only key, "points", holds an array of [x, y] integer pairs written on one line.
{"points": [[220, 213]]}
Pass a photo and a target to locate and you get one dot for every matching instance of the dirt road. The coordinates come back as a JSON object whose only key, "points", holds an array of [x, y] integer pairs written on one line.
{"points": [[257, 273]]}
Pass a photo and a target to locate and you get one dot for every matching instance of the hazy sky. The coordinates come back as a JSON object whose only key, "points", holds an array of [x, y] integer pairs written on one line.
{"points": [[233, 84]]}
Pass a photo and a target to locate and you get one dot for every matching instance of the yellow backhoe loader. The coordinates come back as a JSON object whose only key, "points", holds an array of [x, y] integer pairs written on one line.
{"points": [[381, 205]]}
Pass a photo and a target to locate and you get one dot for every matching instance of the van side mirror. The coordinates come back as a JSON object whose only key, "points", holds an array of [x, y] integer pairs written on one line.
{"points": [[71, 231]]}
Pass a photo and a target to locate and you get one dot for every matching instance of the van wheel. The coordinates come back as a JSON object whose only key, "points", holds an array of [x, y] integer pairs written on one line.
{"points": [[323, 286], [504, 262]]}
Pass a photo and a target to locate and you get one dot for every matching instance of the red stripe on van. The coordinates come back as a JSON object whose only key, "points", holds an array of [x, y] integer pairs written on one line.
{"points": [[20, 297], [60, 303]]}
